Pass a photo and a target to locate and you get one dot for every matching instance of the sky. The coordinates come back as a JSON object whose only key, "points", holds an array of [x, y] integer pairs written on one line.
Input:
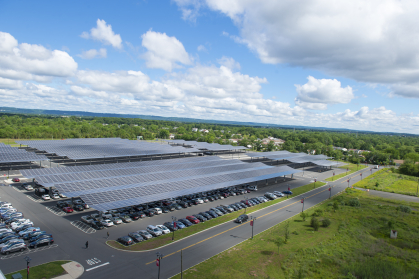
{"points": [[322, 63]]}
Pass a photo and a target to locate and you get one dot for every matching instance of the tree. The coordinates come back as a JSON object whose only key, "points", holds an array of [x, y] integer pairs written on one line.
{"points": [[164, 133], [314, 223], [303, 216]]}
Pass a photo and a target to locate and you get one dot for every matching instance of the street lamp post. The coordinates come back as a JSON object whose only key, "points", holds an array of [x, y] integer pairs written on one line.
{"points": [[330, 190], [302, 201], [174, 227], [252, 223], [158, 262], [28, 260], [348, 183], [361, 175], [315, 180]]}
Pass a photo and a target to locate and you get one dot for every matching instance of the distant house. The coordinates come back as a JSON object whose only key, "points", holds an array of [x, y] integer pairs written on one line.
{"points": [[277, 142], [234, 140], [194, 129], [340, 148], [204, 131], [172, 136], [311, 152]]}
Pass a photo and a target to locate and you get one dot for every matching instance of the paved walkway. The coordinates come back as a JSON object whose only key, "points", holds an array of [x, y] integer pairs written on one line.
{"points": [[394, 196], [74, 270]]}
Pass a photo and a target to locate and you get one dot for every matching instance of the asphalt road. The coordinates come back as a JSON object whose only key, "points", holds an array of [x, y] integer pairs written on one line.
{"points": [[101, 261]]}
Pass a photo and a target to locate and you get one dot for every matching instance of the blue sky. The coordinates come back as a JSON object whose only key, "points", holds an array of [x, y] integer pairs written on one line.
{"points": [[318, 63]]}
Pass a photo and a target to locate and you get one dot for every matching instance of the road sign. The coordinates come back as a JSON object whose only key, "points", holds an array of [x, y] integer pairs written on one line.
{"points": [[348, 181], [251, 223], [302, 200], [157, 262], [330, 188], [315, 180], [174, 225], [289, 189]]}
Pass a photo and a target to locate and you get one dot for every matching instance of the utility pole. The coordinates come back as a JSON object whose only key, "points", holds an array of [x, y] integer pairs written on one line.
{"points": [[330, 190], [252, 223], [158, 262], [302, 201], [181, 264]]}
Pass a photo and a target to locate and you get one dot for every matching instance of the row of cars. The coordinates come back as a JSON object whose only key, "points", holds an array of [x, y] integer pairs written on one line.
{"points": [[15, 230], [214, 212], [69, 206]]}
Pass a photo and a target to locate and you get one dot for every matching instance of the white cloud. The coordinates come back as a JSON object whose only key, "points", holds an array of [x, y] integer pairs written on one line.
{"points": [[201, 48], [189, 8], [317, 93], [164, 52], [32, 62], [370, 41], [92, 53], [10, 83], [104, 33], [229, 63]]}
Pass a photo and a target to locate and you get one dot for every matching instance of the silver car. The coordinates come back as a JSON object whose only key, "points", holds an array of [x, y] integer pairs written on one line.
{"points": [[14, 247], [7, 243]]}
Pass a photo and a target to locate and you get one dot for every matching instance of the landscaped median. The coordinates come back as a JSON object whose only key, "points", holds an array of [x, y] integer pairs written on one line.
{"points": [[180, 234], [351, 169], [43, 271]]}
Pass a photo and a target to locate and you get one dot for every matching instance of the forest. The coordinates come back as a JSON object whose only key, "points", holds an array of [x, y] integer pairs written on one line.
{"points": [[376, 148]]}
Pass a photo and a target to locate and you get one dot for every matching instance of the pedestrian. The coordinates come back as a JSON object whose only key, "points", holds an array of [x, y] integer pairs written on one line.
{"points": [[108, 235], [87, 244]]}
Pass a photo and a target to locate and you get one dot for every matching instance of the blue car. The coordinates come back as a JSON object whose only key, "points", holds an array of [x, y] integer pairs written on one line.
{"points": [[287, 192], [180, 225], [41, 242]]}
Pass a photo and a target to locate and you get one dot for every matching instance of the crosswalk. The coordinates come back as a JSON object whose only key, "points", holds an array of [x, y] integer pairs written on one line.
{"points": [[83, 227]]}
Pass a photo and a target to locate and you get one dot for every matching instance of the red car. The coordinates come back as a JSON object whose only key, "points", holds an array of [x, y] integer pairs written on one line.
{"points": [[67, 209], [15, 179], [192, 219]]}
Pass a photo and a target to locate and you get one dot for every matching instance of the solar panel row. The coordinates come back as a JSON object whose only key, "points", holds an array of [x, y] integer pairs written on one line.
{"points": [[298, 158], [205, 145], [10, 154]]}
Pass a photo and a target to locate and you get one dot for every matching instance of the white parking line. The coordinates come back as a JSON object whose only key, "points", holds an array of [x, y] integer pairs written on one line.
{"points": [[83, 227], [97, 266], [28, 251], [55, 210], [34, 198]]}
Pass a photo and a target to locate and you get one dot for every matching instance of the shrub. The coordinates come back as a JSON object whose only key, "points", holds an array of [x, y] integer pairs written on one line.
{"points": [[335, 205], [295, 232], [404, 209], [326, 222], [354, 202], [377, 184], [315, 223], [317, 213], [303, 216]]}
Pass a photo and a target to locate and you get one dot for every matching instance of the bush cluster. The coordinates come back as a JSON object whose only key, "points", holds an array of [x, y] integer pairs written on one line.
{"points": [[404, 209], [317, 213], [354, 202], [326, 222], [314, 223]]}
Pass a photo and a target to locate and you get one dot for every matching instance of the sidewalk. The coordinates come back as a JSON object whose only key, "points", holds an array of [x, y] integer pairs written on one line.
{"points": [[388, 195], [74, 270]]}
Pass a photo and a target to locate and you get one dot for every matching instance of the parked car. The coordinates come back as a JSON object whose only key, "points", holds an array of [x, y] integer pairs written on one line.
{"points": [[116, 220], [186, 222], [40, 236], [287, 192], [46, 197], [15, 179], [31, 229], [4, 243], [126, 219], [41, 242], [278, 194], [14, 247], [242, 218], [55, 196], [200, 217], [136, 236], [27, 187], [145, 234], [125, 240], [171, 226], [154, 231], [29, 235], [163, 229], [193, 219], [107, 223], [62, 196], [97, 225], [8, 238], [134, 216], [68, 210]]}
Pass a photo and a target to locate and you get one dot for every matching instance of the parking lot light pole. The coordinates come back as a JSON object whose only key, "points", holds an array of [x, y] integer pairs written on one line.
{"points": [[315, 179], [302, 201], [174, 227], [158, 262], [252, 223], [28, 260], [330, 190], [348, 182]]}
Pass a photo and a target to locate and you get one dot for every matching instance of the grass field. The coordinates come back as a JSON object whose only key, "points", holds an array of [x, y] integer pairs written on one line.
{"points": [[387, 181], [43, 271], [166, 239], [355, 245], [352, 168]]}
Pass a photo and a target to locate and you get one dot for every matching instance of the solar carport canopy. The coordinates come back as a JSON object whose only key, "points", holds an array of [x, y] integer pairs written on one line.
{"points": [[79, 149], [152, 182], [206, 145], [10, 154], [298, 158]]}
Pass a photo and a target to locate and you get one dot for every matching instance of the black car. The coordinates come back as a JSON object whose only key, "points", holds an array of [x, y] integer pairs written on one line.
{"points": [[126, 219], [206, 215], [134, 216], [243, 205], [136, 236], [61, 204], [165, 209], [141, 214], [239, 205], [200, 217], [125, 240], [97, 226], [222, 209], [208, 153], [41, 236], [212, 213], [234, 207], [78, 207], [29, 235], [149, 212], [41, 242], [7, 238], [241, 219], [23, 228], [172, 207], [183, 204], [170, 226], [178, 207], [185, 222], [210, 198]]}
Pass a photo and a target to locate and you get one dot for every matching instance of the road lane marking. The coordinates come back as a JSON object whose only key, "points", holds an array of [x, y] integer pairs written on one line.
{"points": [[97, 266], [28, 251]]}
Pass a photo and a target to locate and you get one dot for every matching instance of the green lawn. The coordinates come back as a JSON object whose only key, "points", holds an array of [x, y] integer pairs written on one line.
{"points": [[43, 271], [166, 239], [352, 168], [390, 182], [355, 245]]}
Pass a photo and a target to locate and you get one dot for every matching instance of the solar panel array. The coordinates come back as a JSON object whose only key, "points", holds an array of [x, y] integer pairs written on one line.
{"points": [[148, 181], [78, 149], [298, 158], [10, 154], [206, 145]]}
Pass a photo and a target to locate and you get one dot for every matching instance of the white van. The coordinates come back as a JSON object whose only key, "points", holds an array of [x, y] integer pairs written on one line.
{"points": [[376, 167]]}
